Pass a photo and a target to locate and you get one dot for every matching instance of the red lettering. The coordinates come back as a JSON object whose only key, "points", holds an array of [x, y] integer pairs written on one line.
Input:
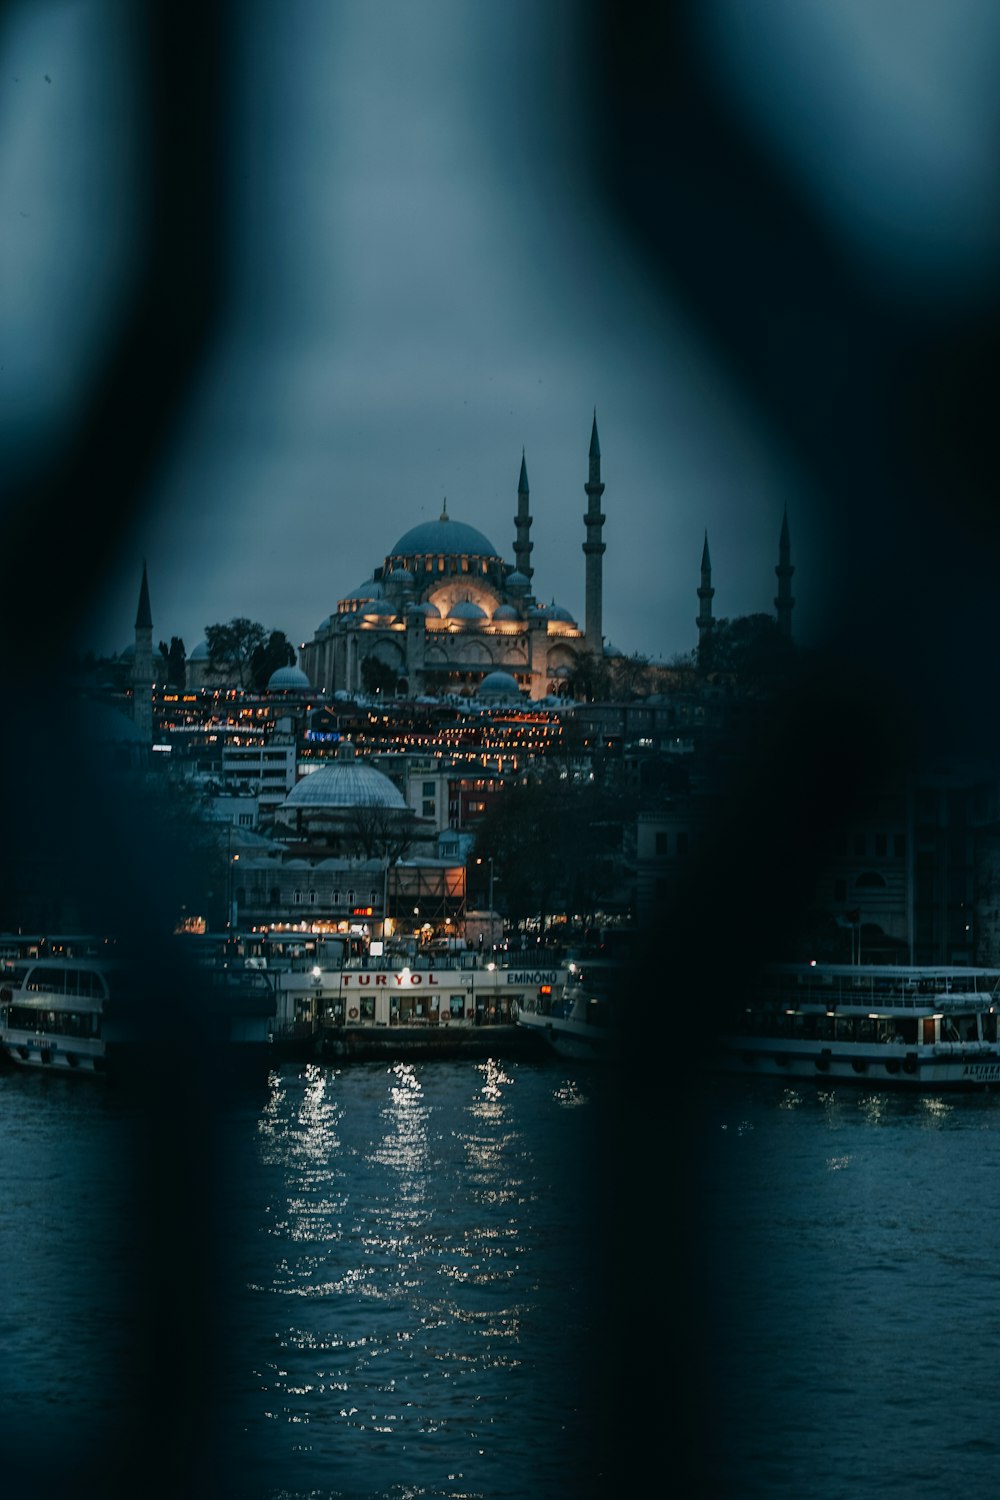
{"points": [[431, 979], [364, 979], [416, 978], [380, 978]]}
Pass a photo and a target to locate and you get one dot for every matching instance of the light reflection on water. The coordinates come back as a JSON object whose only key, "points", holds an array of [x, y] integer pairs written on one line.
{"points": [[419, 1216], [412, 1303]]}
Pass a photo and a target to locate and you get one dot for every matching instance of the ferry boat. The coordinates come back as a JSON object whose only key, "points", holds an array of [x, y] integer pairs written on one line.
{"points": [[334, 999], [886, 1026], [576, 1017], [54, 1013]]}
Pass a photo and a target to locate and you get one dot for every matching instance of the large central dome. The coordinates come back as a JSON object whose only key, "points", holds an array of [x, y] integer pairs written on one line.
{"points": [[442, 538]]}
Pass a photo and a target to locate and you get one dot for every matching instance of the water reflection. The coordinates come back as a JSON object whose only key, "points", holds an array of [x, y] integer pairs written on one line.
{"points": [[415, 1214]]}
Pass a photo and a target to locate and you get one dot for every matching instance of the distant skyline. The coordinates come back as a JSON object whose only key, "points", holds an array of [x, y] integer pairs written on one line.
{"points": [[426, 268], [420, 281]]}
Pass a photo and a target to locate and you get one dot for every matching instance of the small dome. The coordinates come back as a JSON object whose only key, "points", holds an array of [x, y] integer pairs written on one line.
{"points": [[610, 650], [556, 612], [539, 612], [287, 679], [345, 782], [499, 687], [380, 607], [517, 580], [505, 612], [370, 589], [467, 609], [402, 577], [424, 607], [200, 652]]}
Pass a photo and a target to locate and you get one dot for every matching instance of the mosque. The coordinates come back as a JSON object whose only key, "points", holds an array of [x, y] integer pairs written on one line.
{"points": [[445, 614]]}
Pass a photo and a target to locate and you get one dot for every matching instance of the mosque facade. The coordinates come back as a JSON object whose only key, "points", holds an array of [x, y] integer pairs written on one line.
{"points": [[445, 613]]}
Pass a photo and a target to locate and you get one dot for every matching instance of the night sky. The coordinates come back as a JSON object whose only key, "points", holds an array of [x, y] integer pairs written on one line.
{"points": [[293, 275]]}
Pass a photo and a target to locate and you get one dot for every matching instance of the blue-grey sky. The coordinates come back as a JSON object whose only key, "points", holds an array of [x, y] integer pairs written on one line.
{"points": [[421, 280]]}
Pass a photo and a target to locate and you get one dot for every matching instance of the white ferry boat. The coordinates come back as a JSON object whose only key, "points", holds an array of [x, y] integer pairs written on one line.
{"points": [[53, 1013], [886, 1026], [576, 1018], [334, 998]]}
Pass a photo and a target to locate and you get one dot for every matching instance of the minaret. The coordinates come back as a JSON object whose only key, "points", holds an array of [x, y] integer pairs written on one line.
{"points": [[142, 664], [784, 601], [522, 544], [705, 595], [593, 549]]}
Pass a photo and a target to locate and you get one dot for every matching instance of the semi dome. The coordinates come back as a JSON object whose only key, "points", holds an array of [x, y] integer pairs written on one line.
{"points": [[505, 612], [200, 652], [467, 609], [402, 577], [517, 580], [424, 607], [499, 687], [556, 612], [345, 782], [287, 679], [442, 537], [378, 607]]}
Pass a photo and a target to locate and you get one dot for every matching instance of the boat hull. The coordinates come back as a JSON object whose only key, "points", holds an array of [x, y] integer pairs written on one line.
{"points": [[54, 1054], [568, 1038], [897, 1068]]}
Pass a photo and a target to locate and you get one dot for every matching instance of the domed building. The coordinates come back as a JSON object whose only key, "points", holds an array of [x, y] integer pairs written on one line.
{"points": [[289, 680], [444, 611], [346, 804], [498, 687]]}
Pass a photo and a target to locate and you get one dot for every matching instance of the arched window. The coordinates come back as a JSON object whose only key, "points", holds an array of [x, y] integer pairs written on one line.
{"points": [[297, 897]]}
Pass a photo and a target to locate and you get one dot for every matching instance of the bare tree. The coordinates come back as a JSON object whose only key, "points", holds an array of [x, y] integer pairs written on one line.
{"points": [[378, 832]]}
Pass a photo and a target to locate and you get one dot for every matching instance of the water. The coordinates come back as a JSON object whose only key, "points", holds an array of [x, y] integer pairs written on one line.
{"points": [[496, 1279]]}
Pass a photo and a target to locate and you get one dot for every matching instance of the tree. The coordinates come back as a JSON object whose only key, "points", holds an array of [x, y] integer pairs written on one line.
{"points": [[266, 659], [753, 649], [174, 658], [589, 679], [630, 676], [231, 648], [377, 677], [555, 844], [377, 832], [596, 678]]}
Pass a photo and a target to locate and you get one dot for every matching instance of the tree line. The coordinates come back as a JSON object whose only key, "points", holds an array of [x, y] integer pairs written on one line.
{"points": [[242, 650]]}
